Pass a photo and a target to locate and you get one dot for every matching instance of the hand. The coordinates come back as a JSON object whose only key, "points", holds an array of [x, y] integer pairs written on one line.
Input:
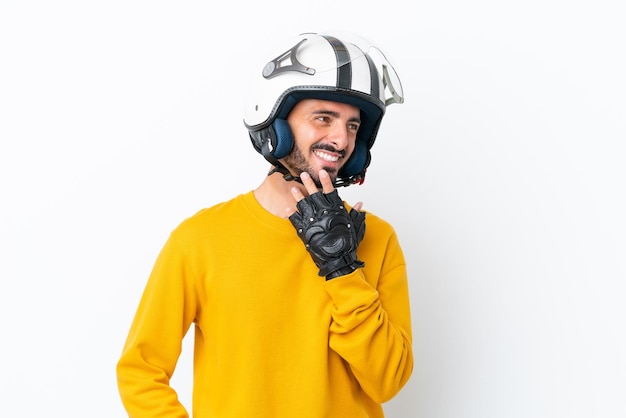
{"points": [[329, 232]]}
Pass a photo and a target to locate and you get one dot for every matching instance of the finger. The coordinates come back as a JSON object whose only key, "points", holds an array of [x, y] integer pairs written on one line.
{"points": [[357, 206], [308, 183], [297, 194], [289, 212], [327, 183]]}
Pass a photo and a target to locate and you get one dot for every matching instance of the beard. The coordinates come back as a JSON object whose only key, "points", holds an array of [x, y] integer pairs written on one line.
{"points": [[297, 164]]}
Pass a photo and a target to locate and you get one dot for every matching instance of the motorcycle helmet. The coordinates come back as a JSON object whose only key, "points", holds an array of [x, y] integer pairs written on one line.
{"points": [[341, 67]]}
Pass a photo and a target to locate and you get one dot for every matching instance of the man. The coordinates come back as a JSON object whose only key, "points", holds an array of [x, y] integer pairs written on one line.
{"points": [[299, 310]]}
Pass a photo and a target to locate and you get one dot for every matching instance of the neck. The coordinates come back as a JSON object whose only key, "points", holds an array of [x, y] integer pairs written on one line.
{"points": [[274, 194]]}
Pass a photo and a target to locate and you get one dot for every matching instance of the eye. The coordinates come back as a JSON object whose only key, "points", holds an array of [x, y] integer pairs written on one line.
{"points": [[323, 118], [353, 126]]}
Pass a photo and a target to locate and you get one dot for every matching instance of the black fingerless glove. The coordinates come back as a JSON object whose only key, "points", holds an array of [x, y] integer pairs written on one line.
{"points": [[330, 233]]}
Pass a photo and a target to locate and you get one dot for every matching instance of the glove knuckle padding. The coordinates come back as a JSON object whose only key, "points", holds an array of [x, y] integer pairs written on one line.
{"points": [[329, 232]]}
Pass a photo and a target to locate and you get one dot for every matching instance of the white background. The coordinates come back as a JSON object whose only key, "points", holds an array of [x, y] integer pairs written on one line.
{"points": [[503, 174]]}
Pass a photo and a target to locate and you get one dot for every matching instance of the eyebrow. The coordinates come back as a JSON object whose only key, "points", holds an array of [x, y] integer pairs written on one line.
{"points": [[335, 115]]}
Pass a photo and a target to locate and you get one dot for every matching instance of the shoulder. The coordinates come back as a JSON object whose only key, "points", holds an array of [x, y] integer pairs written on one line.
{"points": [[373, 222], [210, 218]]}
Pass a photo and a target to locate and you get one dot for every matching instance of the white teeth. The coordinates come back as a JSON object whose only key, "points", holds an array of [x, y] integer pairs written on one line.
{"points": [[326, 157]]}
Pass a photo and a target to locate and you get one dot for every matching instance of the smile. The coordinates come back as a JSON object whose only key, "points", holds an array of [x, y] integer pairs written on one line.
{"points": [[326, 157]]}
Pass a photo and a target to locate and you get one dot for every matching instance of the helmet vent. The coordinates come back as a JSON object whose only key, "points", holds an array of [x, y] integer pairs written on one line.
{"points": [[276, 67]]}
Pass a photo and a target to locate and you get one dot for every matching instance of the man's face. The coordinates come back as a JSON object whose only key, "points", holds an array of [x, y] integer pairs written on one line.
{"points": [[324, 137]]}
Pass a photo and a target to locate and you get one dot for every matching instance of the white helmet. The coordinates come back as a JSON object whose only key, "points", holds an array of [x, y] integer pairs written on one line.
{"points": [[340, 67]]}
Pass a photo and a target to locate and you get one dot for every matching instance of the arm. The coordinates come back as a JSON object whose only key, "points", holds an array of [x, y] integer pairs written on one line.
{"points": [[371, 326], [148, 360]]}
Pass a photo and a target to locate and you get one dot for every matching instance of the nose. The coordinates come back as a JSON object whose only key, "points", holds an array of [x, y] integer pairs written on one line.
{"points": [[339, 136]]}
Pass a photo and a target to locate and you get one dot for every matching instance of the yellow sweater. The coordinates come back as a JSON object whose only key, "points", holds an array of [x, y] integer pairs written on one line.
{"points": [[272, 338]]}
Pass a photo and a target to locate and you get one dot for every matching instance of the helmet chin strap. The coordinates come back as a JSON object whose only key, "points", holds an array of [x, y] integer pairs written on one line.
{"points": [[279, 168]]}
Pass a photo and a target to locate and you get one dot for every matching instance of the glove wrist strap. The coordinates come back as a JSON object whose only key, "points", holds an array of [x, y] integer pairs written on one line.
{"points": [[342, 269]]}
